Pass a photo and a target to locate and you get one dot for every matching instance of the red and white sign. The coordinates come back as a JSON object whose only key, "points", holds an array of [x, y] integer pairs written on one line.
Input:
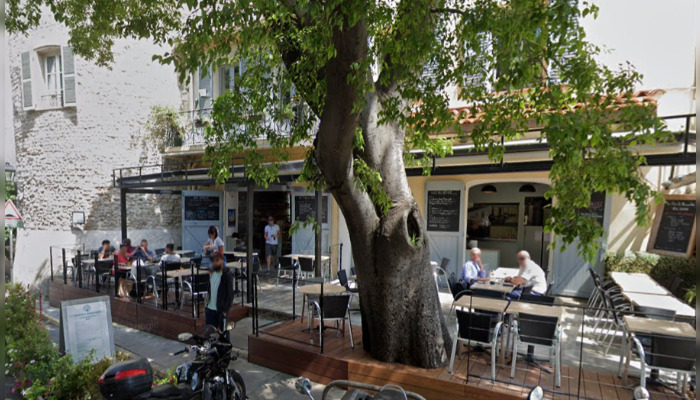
{"points": [[11, 213]]}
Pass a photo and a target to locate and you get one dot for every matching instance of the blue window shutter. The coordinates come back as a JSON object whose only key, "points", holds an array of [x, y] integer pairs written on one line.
{"points": [[27, 100], [69, 92]]}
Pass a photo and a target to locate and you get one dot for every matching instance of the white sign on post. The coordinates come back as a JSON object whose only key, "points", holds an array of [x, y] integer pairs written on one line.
{"points": [[86, 325]]}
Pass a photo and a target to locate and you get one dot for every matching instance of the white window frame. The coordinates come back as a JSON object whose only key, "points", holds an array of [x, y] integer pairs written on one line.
{"points": [[57, 74]]}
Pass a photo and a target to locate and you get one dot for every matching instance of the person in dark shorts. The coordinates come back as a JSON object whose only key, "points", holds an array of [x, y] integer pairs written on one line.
{"points": [[272, 233]]}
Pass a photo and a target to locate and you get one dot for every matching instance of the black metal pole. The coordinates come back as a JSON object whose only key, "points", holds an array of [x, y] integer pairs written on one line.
{"points": [[115, 268], [320, 300], [138, 280], [97, 275], [122, 208], [51, 261], [65, 267], [249, 240], [318, 234], [340, 257], [294, 294], [195, 288], [79, 266]]}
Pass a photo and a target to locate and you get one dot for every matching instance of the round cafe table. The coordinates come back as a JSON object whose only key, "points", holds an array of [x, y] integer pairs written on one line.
{"points": [[315, 290]]}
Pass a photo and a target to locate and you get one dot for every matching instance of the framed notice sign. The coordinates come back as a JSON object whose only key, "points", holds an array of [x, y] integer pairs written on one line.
{"points": [[86, 325], [673, 232]]}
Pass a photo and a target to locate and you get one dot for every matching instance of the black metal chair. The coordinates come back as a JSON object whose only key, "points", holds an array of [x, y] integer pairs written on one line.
{"points": [[538, 330], [480, 328], [103, 272], [160, 287], [335, 308], [198, 287], [352, 271], [306, 267], [242, 275], [444, 263], [669, 353], [537, 299], [493, 294], [285, 265]]}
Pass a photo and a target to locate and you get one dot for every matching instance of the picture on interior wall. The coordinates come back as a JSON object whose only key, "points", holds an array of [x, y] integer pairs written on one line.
{"points": [[232, 217]]}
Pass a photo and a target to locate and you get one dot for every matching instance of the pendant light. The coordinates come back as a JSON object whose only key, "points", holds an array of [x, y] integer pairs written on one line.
{"points": [[488, 189], [527, 188]]}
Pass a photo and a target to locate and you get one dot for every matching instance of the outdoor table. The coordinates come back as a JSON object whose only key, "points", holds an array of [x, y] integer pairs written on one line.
{"points": [[315, 290], [181, 252], [502, 287], [647, 326], [638, 283], [517, 307], [482, 303], [502, 272], [666, 302], [295, 256], [177, 275], [239, 254]]}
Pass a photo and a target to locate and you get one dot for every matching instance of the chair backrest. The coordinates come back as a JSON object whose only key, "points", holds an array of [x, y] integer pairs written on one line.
{"points": [[675, 284], [537, 329], [444, 263], [352, 271], [286, 262], [200, 283], [172, 265], [494, 294], [306, 264], [451, 283], [655, 313], [160, 252], [537, 299], [343, 277], [475, 326], [672, 352], [335, 306], [441, 278]]}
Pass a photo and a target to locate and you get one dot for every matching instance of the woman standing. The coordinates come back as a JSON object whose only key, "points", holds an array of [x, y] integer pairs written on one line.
{"points": [[213, 244]]}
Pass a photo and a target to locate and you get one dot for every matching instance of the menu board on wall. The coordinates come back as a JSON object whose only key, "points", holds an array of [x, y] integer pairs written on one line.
{"points": [[597, 208], [443, 210], [202, 208], [305, 206], [673, 232]]}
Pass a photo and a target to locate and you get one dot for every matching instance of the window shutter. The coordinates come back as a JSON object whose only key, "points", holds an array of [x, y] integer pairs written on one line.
{"points": [[69, 95], [27, 100], [205, 88]]}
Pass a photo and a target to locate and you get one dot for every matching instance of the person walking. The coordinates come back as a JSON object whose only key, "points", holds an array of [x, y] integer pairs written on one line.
{"points": [[220, 293], [272, 233]]}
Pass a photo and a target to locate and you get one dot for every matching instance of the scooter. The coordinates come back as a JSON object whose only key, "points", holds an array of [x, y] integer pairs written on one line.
{"points": [[386, 392], [207, 377]]}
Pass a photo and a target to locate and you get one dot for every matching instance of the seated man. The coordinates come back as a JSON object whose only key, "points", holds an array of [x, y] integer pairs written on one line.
{"points": [[472, 271], [169, 256], [143, 253], [129, 248], [529, 274], [106, 251]]}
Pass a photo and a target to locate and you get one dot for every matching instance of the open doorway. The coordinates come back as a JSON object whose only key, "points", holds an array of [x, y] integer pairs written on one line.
{"points": [[506, 217]]}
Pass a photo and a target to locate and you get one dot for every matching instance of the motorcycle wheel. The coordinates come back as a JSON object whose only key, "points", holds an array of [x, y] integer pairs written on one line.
{"points": [[238, 387]]}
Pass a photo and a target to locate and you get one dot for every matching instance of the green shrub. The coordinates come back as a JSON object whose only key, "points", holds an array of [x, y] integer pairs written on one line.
{"points": [[33, 360], [663, 269]]}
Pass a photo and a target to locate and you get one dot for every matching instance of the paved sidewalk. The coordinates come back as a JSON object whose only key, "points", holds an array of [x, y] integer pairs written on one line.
{"points": [[261, 382]]}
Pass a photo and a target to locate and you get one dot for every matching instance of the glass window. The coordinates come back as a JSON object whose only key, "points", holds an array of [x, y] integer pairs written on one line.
{"points": [[53, 74]]}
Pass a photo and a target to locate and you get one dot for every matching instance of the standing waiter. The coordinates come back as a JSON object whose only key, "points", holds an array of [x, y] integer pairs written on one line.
{"points": [[220, 293]]}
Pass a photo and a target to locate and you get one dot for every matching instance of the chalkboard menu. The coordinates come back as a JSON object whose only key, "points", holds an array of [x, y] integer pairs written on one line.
{"points": [[305, 206], [202, 208], [443, 210], [674, 226]]}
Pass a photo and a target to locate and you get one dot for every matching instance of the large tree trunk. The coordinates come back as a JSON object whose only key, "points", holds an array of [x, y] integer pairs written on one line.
{"points": [[402, 319]]}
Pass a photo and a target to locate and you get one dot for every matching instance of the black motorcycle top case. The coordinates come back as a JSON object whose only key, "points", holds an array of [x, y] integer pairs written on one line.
{"points": [[126, 380]]}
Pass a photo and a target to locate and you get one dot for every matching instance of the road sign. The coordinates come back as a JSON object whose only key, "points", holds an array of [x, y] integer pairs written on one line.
{"points": [[11, 213]]}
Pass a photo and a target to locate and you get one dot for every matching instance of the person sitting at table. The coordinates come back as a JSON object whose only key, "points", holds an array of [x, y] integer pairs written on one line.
{"points": [[123, 259], [106, 250], [143, 253], [169, 256], [529, 274], [472, 271], [220, 293], [129, 248]]}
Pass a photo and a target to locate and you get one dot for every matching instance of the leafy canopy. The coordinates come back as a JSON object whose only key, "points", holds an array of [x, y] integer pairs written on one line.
{"points": [[498, 56]]}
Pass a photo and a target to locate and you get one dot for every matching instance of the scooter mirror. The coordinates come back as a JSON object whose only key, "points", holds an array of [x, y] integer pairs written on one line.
{"points": [[303, 386], [183, 337]]}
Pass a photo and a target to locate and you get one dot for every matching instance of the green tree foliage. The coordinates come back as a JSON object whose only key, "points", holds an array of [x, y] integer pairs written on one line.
{"points": [[499, 54]]}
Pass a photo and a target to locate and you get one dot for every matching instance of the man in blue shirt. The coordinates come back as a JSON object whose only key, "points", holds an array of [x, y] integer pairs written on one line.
{"points": [[142, 252], [473, 270]]}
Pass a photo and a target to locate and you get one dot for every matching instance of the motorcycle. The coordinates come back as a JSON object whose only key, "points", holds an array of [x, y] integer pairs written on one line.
{"points": [[207, 377]]}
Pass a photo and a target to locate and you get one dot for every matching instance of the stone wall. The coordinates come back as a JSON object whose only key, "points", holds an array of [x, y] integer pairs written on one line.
{"points": [[66, 156]]}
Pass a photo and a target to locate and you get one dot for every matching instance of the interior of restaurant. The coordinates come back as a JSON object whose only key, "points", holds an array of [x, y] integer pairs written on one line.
{"points": [[267, 203], [506, 217]]}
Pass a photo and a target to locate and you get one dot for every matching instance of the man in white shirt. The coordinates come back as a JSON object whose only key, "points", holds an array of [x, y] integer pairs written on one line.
{"points": [[169, 256], [529, 274], [272, 233], [473, 270]]}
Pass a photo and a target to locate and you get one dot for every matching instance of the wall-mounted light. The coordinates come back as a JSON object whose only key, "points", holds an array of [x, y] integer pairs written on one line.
{"points": [[527, 188], [9, 172], [488, 189], [78, 218]]}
